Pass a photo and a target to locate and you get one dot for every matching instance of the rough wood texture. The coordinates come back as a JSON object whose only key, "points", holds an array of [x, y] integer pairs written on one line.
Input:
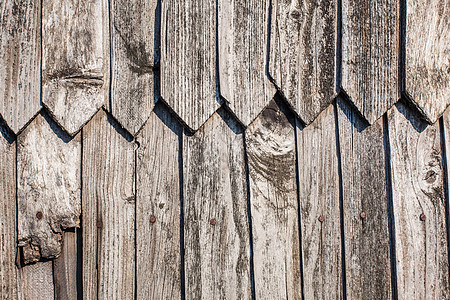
{"points": [[421, 245], [74, 60], [302, 53], [49, 188], [319, 196], [367, 256], [271, 157], [38, 281], [370, 39], [132, 32], [217, 243], [188, 59], [242, 35], [158, 196], [20, 57], [108, 211], [428, 56], [65, 268]]}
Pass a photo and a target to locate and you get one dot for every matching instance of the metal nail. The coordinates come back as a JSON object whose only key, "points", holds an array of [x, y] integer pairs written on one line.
{"points": [[362, 215], [39, 215], [321, 219], [213, 222], [152, 219]]}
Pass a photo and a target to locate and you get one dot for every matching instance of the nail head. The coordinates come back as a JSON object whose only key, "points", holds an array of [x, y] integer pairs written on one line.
{"points": [[422, 217], [39, 215], [152, 219], [213, 222], [362, 215], [321, 219], [99, 224]]}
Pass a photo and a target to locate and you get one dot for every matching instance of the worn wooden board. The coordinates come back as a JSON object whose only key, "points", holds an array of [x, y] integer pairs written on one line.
{"points": [[319, 196], [367, 256], [65, 268], [75, 59], [20, 58], [270, 146], [302, 53], [417, 183], [38, 281], [242, 42], [370, 50], [108, 210], [49, 188], [158, 251], [132, 36], [216, 230], [427, 59], [188, 59]]}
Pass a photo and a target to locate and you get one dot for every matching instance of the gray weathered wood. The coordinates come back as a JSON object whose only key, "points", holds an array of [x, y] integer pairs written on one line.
{"points": [[109, 214], [370, 40], [217, 243], [417, 182], [271, 158], [319, 196], [302, 53], [188, 59], [242, 35], [20, 58], [427, 56], [132, 32], [158, 195], [65, 268], [38, 281], [75, 59], [367, 256], [49, 188]]}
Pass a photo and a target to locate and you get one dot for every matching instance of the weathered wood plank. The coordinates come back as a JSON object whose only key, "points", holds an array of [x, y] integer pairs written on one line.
{"points": [[302, 53], [108, 180], [242, 39], [38, 281], [217, 243], [132, 31], [65, 268], [366, 229], [158, 209], [419, 207], [49, 188], [75, 59], [319, 197], [427, 56], [370, 40], [270, 144], [20, 58], [188, 59]]}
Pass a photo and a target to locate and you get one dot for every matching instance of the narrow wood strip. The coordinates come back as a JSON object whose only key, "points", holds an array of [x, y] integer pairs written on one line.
{"points": [[38, 281], [65, 268]]}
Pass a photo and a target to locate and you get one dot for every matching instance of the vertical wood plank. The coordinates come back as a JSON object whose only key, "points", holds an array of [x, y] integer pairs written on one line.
{"points": [[38, 281], [419, 207], [319, 196], [270, 144], [217, 244], [65, 268]]}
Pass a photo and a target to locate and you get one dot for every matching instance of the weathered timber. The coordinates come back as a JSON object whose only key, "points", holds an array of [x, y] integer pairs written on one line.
{"points": [[108, 210], [217, 243], [242, 40], [319, 196], [427, 59], [75, 60], [365, 206], [132, 31], [20, 58], [302, 53], [65, 268], [270, 144], [419, 207], [188, 59], [158, 209], [49, 188], [38, 281], [370, 50]]}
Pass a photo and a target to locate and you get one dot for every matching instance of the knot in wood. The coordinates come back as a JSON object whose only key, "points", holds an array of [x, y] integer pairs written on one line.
{"points": [[99, 224]]}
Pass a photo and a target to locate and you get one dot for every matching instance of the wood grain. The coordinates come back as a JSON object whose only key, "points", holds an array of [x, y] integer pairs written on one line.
{"points": [[20, 58], [270, 144], [370, 49], [38, 281], [319, 196], [65, 268], [428, 56], [217, 243], [367, 256], [108, 180], [133, 34], [302, 53], [417, 179], [49, 188], [242, 42], [188, 59], [158, 195], [75, 60]]}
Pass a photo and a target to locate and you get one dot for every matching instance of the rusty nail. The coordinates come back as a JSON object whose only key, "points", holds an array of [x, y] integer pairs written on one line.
{"points": [[321, 219], [99, 224], [362, 215], [213, 222], [39, 215], [152, 219], [422, 217]]}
